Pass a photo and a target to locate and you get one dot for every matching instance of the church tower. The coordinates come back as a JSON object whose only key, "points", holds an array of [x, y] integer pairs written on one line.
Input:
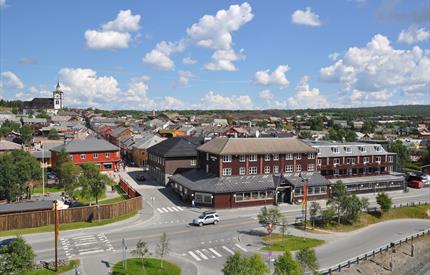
{"points": [[58, 97]]}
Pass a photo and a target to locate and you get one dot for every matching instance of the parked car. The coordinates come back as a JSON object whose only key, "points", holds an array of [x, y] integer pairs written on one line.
{"points": [[6, 242], [415, 184], [424, 179], [208, 217]]}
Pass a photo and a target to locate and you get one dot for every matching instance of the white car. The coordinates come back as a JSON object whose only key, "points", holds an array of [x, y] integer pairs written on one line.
{"points": [[208, 217]]}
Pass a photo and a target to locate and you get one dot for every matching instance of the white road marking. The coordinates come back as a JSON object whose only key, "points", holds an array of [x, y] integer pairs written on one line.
{"points": [[165, 210], [201, 254], [159, 210], [240, 247], [180, 208], [82, 244], [215, 252], [90, 252], [194, 256], [170, 209], [207, 252], [176, 209], [228, 250]]}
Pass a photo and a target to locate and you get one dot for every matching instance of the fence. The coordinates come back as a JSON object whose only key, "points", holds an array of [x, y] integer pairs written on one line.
{"points": [[407, 204], [372, 253], [78, 214], [128, 189]]}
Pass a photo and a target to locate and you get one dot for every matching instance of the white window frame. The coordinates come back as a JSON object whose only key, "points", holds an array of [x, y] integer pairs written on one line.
{"points": [[289, 168], [266, 169], [319, 162], [275, 156], [193, 162], [336, 161], [242, 158], [253, 170], [95, 156], [289, 156], [275, 169], [298, 167], [83, 156], [107, 155], [378, 159], [362, 149], [311, 156], [267, 157], [226, 171], [311, 167], [299, 156], [252, 158], [348, 149], [390, 159], [366, 159], [226, 158], [335, 150], [242, 171]]}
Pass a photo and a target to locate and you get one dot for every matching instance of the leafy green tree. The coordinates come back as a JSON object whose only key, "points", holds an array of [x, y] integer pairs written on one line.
{"points": [[141, 251], [17, 170], [16, 258], [286, 265], [26, 134], [255, 265], [352, 207], [234, 265], [316, 123], [68, 174], [13, 126], [305, 135], [314, 209], [403, 154], [91, 182], [269, 216], [327, 215], [53, 134], [308, 260], [426, 154], [384, 201], [163, 247], [338, 195], [238, 265], [43, 115]]}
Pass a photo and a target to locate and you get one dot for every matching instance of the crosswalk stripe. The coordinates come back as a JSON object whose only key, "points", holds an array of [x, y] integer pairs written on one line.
{"points": [[159, 210], [180, 208], [201, 254], [194, 256], [176, 209], [240, 247], [207, 253], [91, 251], [170, 209], [228, 250], [165, 210], [215, 252]]}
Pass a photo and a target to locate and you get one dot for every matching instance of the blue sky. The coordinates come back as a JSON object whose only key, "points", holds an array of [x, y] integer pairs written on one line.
{"points": [[217, 54]]}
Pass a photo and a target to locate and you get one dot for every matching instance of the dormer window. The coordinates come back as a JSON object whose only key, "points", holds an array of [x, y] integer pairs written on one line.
{"points": [[267, 157], [362, 149], [335, 150], [348, 149], [226, 158], [378, 148]]}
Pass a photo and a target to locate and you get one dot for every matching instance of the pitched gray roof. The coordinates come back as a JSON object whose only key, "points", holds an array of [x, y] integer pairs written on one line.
{"points": [[369, 179], [86, 145], [118, 131], [176, 147], [326, 149], [234, 146], [198, 180], [314, 179], [25, 206], [6, 145]]}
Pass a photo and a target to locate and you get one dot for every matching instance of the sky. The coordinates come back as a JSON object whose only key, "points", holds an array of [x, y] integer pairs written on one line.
{"points": [[146, 55]]}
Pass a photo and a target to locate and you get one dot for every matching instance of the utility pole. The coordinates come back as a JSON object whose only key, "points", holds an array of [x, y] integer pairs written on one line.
{"points": [[43, 172], [57, 233], [305, 197]]}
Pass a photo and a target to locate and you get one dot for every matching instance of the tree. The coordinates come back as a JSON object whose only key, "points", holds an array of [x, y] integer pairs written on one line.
{"points": [[328, 215], [53, 134], [163, 247], [315, 208], [26, 134], [307, 260], [403, 154], [269, 217], [141, 251], [238, 265], [255, 265], [352, 207], [68, 174], [16, 257], [384, 201], [305, 135], [286, 265], [17, 169], [234, 265], [92, 183], [337, 198]]}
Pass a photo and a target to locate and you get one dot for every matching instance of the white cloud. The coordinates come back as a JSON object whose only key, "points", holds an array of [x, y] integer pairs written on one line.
{"points": [[114, 34], [362, 98], [159, 57], [413, 35], [380, 67], [188, 61], [266, 94], [306, 97], [222, 60], [306, 17], [184, 77], [2, 3], [216, 101], [277, 77], [171, 103], [10, 80], [334, 56]]}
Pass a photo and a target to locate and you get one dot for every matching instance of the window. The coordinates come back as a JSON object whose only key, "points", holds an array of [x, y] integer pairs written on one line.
{"points": [[203, 198], [267, 157], [207, 156], [262, 195], [390, 168], [319, 162], [378, 159], [83, 156], [242, 171], [378, 148], [299, 156], [193, 162], [95, 155], [311, 156], [266, 169], [336, 161], [226, 158], [275, 169], [362, 149], [289, 168], [107, 166], [390, 159], [311, 167], [348, 149], [349, 171], [242, 158], [298, 168], [252, 158], [365, 159], [350, 160], [335, 150], [289, 156], [275, 156], [253, 170], [107, 155], [226, 171], [207, 168]]}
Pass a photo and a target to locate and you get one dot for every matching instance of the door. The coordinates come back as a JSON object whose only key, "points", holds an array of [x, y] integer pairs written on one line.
{"points": [[209, 219]]}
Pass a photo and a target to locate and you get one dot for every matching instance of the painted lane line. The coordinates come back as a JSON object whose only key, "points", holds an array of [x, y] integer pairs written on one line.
{"points": [[215, 252], [201, 255], [228, 250], [194, 256], [84, 237], [207, 252], [90, 252], [84, 244], [240, 247]]}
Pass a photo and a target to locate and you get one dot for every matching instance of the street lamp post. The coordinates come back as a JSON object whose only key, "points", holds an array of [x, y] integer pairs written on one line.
{"points": [[305, 197], [57, 232], [43, 172]]}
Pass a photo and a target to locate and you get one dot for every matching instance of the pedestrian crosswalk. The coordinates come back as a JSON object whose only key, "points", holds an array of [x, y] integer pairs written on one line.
{"points": [[166, 209], [87, 244], [203, 254]]}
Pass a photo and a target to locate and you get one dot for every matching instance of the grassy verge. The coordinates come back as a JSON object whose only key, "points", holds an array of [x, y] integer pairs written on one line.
{"points": [[113, 200], [50, 189], [365, 219], [66, 226], [152, 267], [290, 242], [69, 266]]}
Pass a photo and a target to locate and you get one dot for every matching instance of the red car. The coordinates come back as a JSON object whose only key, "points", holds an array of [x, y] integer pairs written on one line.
{"points": [[415, 184]]}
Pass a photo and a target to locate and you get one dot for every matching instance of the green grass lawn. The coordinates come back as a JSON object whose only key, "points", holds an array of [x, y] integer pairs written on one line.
{"points": [[290, 242], [50, 189], [61, 269], [113, 200], [410, 212], [152, 267], [65, 226]]}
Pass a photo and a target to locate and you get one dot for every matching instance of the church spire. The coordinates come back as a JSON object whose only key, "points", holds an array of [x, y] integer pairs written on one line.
{"points": [[58, 86]]}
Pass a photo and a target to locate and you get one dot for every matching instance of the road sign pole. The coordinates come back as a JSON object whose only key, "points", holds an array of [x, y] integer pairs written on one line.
{"points": [[57, 232]]}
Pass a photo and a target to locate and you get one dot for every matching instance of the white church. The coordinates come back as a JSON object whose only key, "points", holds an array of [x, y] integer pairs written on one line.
{"points": [[48, 105]]}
